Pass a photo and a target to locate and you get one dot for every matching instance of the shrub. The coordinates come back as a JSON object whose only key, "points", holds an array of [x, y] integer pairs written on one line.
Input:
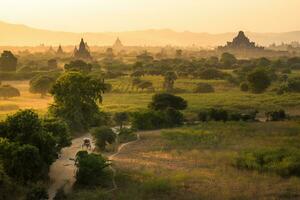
{"points": [[203, 116], [244, 87], [91, 169], [293, 85], [218, 114], [259, 80], [148, 120], [204, 88], [126, 135], [7, 91], [103, 135], [211, 73], [164, 101], [37, 192], [276, 115], [285, 162]]}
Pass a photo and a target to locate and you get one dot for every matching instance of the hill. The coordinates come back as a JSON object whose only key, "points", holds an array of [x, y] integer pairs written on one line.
{"points": [[21, 35]]}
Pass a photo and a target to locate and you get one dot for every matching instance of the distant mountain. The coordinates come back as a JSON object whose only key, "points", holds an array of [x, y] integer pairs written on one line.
{"points": [[21, 35]]}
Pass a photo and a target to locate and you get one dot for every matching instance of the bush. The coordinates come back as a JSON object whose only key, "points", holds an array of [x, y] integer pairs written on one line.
{"points": [[126, 135], [204, 88], [226, 115], [37, 192], [285, 162], [103, 135], [164, 101], [259, 80], [293, 85], [244, 87], [91, 169], [276, 115], [218, 114], [211, 73]]}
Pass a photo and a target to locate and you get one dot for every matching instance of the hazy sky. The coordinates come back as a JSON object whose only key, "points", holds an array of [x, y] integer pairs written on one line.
{"points": [[181, 15]]}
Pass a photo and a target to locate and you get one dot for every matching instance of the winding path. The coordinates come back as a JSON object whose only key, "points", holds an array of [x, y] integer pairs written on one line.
{"points": [[62, 171]]}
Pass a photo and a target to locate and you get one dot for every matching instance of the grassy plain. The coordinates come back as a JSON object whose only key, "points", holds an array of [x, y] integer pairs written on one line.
{"points": [[125, 97], [197, 162]]}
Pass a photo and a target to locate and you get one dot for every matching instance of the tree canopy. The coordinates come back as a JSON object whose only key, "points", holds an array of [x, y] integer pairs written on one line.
{"points": [[76, 98], [7, 91], [8, 62], [163, 101]]}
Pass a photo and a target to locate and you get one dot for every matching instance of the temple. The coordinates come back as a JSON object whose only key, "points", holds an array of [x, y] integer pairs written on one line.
{"points": [[59, 51], [241, 42], [118, 46], [83, 51]]}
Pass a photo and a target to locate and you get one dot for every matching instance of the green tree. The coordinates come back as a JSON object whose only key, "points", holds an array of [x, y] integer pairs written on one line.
{"points": [[76, 98], [258, 80], [8, 62], [120, 118], [228, 60], [7, 91], [163, 101], [169, 80], [91, 169], [79, 65], [41, 85], [103, 135]]}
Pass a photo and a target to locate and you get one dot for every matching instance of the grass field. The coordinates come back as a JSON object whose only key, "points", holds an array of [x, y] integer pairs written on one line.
{"points": [[197, 162], [129, 99]]}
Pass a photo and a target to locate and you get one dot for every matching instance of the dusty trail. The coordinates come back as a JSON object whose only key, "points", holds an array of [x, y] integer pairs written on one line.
{"points": [[62, 171]]}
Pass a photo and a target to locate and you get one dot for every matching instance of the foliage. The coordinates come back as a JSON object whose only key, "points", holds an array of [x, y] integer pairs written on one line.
{"points": [[120, 118], [228, 60], [32, 146], [79, 66], [75, 100], [277, 115], [37, 192], [164, 101], [204, 88], [211, 73], [103, 135], [283, 161], [8, 62], [41, 85], [91, 169], [7, 91], [258, 80], [170, 78], [244, 87]]}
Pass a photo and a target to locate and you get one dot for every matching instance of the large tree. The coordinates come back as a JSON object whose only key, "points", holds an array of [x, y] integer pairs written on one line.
{"points": [[8, 62], [259, 80], [41, 85], [76, 98], [164, 101]]}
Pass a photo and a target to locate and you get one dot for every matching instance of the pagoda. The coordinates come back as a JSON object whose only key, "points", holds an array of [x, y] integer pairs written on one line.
{"points": [[241, 42], [118, 46], [83, 51], [59, 51]]}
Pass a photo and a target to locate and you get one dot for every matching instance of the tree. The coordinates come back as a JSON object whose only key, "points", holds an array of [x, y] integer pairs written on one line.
{"points": [[163, 101], [228, 60], [8, 62], [78, 65], [120, 118], [169, 81], [258, 80], [103, 135], [7, 91], [52, 64], [76, 98], [91, 169], [41, 85]]}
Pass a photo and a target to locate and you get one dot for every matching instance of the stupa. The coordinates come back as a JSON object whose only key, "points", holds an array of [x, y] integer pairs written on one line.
{"points": [[83, 51]]}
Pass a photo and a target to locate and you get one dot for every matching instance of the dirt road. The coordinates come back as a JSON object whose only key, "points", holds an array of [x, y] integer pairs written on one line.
{"points": [[62, 171]]}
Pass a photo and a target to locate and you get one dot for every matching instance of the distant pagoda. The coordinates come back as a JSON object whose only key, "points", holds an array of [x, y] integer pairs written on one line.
{"points": [[83, 51], [59, 51], [118, 46], [241, 42]]}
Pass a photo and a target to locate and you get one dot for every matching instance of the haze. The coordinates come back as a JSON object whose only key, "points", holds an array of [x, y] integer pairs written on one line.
{"points": [[213, 16]]}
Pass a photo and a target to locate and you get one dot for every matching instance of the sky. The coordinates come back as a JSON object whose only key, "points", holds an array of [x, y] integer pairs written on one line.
{"points": [[213, 16]]}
